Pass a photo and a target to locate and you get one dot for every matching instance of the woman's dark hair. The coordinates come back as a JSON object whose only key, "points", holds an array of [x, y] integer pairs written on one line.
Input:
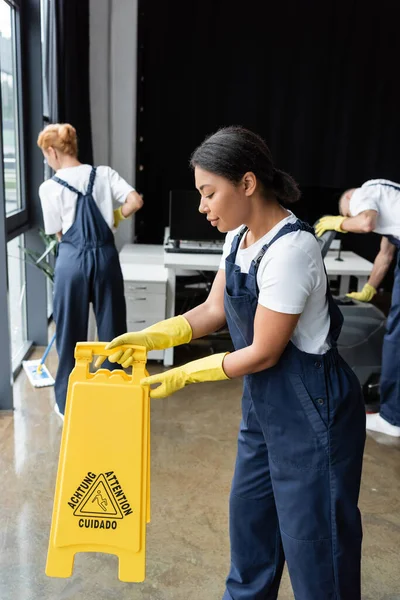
{"points": [[233, 151]]}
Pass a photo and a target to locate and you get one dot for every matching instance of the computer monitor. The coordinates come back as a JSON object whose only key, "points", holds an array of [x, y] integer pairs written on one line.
{"points": [[185, 221]]}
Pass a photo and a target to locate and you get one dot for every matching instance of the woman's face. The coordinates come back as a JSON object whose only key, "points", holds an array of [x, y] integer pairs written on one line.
{"points": [[344, 203], [225, 205]]}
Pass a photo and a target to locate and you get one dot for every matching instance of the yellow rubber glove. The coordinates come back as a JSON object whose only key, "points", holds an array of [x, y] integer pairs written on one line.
{"points": [[329, 223], [366, 294], [197, 371], [118, 216], [165, 334]]}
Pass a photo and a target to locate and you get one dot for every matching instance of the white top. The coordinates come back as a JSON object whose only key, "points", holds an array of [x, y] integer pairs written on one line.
{"points": [[59, 203], [292, 280], [383, 196]]}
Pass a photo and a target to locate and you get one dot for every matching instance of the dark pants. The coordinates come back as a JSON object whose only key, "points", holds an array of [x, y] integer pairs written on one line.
{"points": [[84, 276], [390, 377]]}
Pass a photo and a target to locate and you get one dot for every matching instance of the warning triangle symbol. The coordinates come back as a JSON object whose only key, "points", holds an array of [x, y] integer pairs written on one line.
{"points": [[99, 501]]}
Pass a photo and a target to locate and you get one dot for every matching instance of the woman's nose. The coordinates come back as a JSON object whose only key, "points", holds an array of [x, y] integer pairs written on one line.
{"points": [[203, 208]]}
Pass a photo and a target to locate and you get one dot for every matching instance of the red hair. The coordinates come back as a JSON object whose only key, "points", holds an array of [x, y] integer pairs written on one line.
{"points": [[60, 136]]}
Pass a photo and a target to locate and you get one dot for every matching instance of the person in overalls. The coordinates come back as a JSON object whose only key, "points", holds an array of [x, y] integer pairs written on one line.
{"points": [[296, 484], [77, 205], [375, 206]]}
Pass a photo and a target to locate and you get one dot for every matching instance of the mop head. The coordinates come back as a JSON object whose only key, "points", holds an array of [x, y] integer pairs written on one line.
{"points": [[41, 378]]}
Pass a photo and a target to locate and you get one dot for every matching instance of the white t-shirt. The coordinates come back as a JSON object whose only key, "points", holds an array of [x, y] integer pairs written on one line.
{"points": [[292, 280], [59, 203], [383, 196]]}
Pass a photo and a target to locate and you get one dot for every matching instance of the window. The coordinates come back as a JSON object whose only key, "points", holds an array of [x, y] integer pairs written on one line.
{"points": [[22, 293], [17, 298], [13, 176], [9, 109]]}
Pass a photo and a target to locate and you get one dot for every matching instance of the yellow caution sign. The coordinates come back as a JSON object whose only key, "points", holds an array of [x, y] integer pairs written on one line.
{"points": [[102, 498]]}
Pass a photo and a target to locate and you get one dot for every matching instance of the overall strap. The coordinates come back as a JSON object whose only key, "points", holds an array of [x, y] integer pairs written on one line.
{"points": [[288, 228], [237, 239], [91, 182], [65, 184]]}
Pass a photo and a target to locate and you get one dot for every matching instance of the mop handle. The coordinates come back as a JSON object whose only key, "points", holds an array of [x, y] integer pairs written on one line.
{"points": [[49, 345]]}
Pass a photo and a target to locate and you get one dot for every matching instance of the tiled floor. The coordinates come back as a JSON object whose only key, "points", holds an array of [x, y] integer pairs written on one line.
{"points": [[193, 452]]}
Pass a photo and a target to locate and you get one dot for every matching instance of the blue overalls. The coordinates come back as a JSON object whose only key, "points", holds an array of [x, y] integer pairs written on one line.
{"points": [[87, 270], [298, 469], [390, 374]]}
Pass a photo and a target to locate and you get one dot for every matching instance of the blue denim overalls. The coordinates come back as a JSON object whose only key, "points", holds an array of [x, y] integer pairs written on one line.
{"points": [[87, 270], [390, 375], [297, 478]]}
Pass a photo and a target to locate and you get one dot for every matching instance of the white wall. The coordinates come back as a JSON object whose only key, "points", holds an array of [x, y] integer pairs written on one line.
{"points": [[113, 59]]}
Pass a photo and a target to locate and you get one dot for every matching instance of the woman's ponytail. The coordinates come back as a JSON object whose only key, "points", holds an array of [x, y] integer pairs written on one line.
{"points": [[285, 187]]}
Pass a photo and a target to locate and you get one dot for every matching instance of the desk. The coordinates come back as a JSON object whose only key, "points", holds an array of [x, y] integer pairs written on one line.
{"points": [[197, 262], [145, 284], [144, 254], [174, 261], [352, 264]]}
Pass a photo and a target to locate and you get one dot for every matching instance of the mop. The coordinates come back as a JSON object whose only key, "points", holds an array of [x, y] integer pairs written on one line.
{"points": [[37, 372]]}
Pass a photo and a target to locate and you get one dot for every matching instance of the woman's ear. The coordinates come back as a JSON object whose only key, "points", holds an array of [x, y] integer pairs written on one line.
{"points": [[249, 183], [52, 157]]}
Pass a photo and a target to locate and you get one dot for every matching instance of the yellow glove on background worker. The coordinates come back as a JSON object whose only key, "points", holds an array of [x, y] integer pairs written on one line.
{"points": [[165, 334], [118, 216], [205, 369], [329, 223], [366, 294]]}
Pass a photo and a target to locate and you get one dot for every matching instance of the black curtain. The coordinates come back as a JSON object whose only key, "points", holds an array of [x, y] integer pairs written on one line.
{"points": [[318, 80], [72, 23]]}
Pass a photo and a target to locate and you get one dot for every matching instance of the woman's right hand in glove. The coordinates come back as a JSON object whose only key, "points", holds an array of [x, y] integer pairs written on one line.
{"points": [[366, 294]]}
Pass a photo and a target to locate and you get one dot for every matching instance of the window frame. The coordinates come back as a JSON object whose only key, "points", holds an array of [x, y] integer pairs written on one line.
{"points": [[18, 222], [27, 220]]}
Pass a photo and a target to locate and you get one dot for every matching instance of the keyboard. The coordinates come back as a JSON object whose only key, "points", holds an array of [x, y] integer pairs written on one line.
{"points": [[201, 250], [190, 247]]}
